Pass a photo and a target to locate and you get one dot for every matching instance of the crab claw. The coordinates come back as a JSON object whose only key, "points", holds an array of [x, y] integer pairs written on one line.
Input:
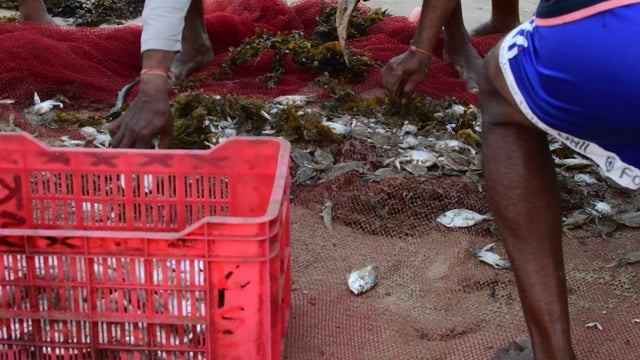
{"points": [[343, 15]]}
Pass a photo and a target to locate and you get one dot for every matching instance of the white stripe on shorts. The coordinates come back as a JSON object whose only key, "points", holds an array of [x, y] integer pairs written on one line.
{"points": [[617, 170]]}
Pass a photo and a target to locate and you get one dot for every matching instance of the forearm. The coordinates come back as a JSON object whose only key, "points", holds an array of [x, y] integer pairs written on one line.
{"points": [[433, 17]]}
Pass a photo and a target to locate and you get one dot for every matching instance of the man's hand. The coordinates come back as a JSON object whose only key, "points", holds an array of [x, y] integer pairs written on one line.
{"points": [[148, 117], [402, 74]]}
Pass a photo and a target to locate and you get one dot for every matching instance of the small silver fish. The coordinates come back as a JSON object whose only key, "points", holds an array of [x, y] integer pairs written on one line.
{"points": [[296, 100], [327, 215], [361, 281], [584, 179], [461, 218], [596, 325], [630, 219], [7, 101], [573, 163], [408, 129], [576, 219]]}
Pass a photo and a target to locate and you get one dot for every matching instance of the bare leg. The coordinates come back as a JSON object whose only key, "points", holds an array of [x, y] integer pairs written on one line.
{"points": [[524, 199], [196, 47], [459, 51], [505, 15], [34, 11]]}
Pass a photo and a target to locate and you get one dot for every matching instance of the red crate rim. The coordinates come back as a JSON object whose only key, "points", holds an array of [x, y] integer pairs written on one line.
{"points": [[281, 177]]}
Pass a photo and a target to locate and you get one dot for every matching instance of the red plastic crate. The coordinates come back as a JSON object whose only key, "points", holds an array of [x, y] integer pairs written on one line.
{"points": [[145, 254]]}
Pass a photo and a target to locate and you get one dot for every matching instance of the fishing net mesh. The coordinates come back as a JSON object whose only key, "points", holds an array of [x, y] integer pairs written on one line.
{"points": [[434, 299]]}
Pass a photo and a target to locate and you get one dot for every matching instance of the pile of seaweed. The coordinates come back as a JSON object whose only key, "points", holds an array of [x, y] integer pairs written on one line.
{"points": [[89, 12]]}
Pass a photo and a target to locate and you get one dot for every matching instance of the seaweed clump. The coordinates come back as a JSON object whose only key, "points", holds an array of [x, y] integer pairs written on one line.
{"points": [[303, 126], [78, 120], [325, 30], [96, 12], [316, 56], [201, 118], [345, 101]]}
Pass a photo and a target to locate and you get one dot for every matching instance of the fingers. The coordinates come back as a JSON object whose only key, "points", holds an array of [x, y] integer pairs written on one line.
{"points": [[412, 83], [165, 138], [390, 80]]}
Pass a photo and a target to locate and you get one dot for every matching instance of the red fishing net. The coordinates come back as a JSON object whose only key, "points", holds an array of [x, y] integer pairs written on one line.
{"points": [[90, 65]]}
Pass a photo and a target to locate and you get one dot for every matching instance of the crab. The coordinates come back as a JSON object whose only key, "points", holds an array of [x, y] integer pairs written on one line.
{"points": [[41, 107], [102, 141], [419, 157], [491, 258]]}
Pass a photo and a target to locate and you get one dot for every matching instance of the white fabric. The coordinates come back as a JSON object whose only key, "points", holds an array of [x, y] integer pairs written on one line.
{"points": [[162, 24]]}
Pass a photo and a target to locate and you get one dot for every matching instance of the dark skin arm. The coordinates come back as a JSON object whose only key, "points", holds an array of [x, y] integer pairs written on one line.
{"points": [[149, 115], [402, 74]]}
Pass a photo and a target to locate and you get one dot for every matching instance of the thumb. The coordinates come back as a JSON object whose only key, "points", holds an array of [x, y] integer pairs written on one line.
{"points": [[115, 126]]}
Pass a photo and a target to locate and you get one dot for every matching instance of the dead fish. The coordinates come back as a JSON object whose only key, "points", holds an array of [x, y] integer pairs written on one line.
{"points": [[455, 110], [576, 219], [456, 161], [7, 101], [573, 163], [343, 16], [596, 325], [584, 179], [296, 100], [361, 281], [300, 157], [408, 129], [630, 219], [409, 141], [337, 128], [461, 218], [380, 174], [416, 169], [327, 214], [605, 226], [491, 258], [341, 168], [304, 174], [630, 258], [40, 108], [323, 157]]}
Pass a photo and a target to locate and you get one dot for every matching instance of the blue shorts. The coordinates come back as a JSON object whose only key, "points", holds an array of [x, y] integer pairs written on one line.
{"points": [[577, 77]]}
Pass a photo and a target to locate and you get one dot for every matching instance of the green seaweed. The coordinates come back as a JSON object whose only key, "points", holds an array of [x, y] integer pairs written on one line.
{"points": [[315, 56], [325, 30]]}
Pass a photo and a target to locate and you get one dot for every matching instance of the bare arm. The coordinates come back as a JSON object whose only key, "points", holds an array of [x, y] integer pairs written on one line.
{"points": [[404, 72], [435, 14]]}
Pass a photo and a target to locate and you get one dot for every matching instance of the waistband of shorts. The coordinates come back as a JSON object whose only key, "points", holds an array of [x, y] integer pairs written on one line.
{"points": [[583, 13]]}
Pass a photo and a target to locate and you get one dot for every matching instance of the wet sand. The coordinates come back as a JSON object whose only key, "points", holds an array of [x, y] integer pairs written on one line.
{"points": [[475, 12]]}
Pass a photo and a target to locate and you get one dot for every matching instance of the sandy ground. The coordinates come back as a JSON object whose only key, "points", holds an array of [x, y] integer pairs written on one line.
{"points": [[475, 11]]}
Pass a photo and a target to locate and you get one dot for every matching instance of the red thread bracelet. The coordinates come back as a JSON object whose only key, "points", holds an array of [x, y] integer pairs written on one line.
{"points": [[158, 71], [420, 51]]}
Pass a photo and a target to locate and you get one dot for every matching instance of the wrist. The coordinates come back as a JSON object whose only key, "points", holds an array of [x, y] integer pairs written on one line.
{"points": [[153, 85]]}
